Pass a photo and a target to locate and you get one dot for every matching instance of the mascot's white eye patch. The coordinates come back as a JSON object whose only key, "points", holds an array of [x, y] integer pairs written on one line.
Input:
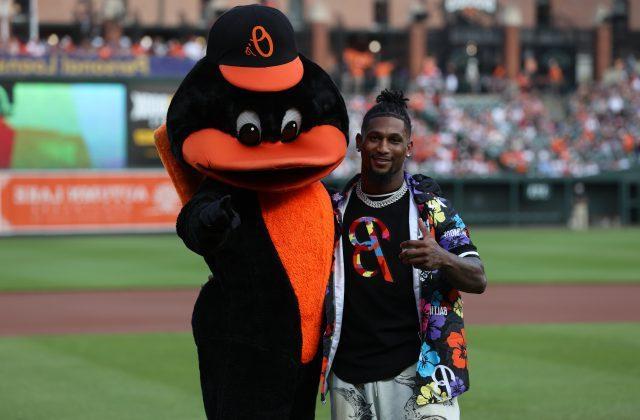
{"points": [[248, 128], [292, 115], [290, 127], [247, 117]]}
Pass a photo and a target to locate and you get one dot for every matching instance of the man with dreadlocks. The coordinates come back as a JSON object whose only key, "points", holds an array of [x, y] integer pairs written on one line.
{"points": [[396, 335]]}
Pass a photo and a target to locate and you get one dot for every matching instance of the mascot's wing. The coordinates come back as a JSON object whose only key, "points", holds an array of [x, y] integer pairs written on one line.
{"points": [[185, 180]]}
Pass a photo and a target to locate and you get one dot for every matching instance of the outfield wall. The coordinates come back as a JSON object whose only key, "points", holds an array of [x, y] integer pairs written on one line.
{"points": [[82, 201], [605, 200], [608, 200], [60, 202]]}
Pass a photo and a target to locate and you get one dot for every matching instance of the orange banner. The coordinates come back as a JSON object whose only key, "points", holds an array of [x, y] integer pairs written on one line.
{"points": [[86, 201]]}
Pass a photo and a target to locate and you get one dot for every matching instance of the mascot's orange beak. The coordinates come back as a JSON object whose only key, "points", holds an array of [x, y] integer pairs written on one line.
{"points": [[268, 166]]}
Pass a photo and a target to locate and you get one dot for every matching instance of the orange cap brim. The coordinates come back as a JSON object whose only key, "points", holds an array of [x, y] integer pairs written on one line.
{"points": [[264, 79]]}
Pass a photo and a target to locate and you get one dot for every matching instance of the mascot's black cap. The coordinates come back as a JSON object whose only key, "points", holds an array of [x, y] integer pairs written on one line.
{"points": [[255, 49]]}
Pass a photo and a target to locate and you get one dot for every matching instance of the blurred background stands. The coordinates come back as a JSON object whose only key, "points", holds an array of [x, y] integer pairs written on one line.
{"points": [[505, 94]]}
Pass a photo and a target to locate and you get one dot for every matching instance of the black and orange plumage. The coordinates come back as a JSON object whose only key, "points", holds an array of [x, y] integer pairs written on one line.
{"points": [[265, 226]]}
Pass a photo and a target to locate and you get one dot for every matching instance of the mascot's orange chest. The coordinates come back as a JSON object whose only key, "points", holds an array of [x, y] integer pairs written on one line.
{"points": [[301, 227]]}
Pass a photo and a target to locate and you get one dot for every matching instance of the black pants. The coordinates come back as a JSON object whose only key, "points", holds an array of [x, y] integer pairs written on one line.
{"points": [[243, 381]]}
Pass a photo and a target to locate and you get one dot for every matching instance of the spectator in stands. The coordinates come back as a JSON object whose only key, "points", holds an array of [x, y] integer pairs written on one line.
{"points": [[595, 129], [194, 48], [451, 80], [358, 63], [555, 76], [430, 79], [382, 71]]}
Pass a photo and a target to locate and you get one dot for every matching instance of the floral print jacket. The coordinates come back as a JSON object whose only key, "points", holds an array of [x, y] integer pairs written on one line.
{"points": [[442, 364]]}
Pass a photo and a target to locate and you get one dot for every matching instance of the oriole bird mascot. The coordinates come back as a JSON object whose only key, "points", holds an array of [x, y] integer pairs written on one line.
{"points": [[260, 125]]}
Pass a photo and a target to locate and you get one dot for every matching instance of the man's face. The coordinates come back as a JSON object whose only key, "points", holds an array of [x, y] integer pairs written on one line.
{"points": [[383, 147]]}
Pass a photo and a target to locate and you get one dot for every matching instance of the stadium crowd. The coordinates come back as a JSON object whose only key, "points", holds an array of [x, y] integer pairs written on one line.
{"points": [[99, 32], [520, 130], [593, 130], [106, 47]]}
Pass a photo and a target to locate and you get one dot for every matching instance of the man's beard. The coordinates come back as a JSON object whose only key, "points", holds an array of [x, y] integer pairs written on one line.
{"points": [[381, 177]]}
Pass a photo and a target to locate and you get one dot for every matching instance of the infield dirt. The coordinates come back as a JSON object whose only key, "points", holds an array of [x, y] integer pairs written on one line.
{"points": [[131, 311]]}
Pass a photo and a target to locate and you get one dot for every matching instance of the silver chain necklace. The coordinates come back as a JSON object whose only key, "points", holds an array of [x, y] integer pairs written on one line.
{"points": [[377, 204]]}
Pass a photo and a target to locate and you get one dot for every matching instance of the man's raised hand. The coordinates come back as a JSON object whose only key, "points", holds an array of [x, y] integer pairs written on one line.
{"points": [[424, 253]]}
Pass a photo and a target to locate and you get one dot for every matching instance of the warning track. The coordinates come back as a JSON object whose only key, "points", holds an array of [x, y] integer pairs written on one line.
{"points": [[135, 311]]}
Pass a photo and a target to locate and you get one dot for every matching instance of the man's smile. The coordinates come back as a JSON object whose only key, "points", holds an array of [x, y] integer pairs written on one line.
{"points": [[381, 160]]}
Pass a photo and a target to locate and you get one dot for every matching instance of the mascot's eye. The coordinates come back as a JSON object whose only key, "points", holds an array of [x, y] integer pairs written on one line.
{"points": [[248, 128], [290, 125]]}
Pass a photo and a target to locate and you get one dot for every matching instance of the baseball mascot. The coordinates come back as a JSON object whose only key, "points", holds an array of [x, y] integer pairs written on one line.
{"points": [[260, 125]]}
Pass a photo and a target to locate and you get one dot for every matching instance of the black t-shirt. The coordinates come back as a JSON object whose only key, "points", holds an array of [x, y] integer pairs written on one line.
{"points": [[379, 337]]}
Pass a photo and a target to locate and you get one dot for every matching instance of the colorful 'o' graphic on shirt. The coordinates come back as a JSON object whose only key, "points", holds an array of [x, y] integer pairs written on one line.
{"points": [[372, 244]]}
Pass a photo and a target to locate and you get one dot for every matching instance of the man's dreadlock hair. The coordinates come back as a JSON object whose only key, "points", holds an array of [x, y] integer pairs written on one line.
{"points": [[390, 103]]}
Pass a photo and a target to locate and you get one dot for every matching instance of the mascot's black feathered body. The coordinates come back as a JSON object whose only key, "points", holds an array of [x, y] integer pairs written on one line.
{"points": [[263, 125]]}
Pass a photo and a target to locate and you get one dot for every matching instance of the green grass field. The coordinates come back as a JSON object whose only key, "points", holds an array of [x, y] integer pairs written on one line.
{"points": [[510, 255], [532, 372], [581, 371]]}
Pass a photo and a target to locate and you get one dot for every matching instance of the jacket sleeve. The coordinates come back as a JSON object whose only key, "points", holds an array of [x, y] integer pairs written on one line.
{"points": [[451, 232], [204, 223], [426, 185]]}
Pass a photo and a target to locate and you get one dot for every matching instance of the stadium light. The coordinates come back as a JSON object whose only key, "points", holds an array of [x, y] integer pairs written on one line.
{"points": [[375, 47], [511, 16], [53, 40], [472, 49]]}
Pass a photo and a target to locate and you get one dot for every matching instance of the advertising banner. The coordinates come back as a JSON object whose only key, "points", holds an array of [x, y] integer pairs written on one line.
{"points": [[94, 67], [86, 201], [148, 104]]}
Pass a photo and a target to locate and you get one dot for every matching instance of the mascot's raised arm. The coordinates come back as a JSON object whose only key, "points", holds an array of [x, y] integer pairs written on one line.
{"points": [[250, 132]]}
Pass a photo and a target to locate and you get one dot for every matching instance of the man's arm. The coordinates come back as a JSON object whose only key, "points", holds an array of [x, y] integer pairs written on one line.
{"points": [[464, 273]]}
